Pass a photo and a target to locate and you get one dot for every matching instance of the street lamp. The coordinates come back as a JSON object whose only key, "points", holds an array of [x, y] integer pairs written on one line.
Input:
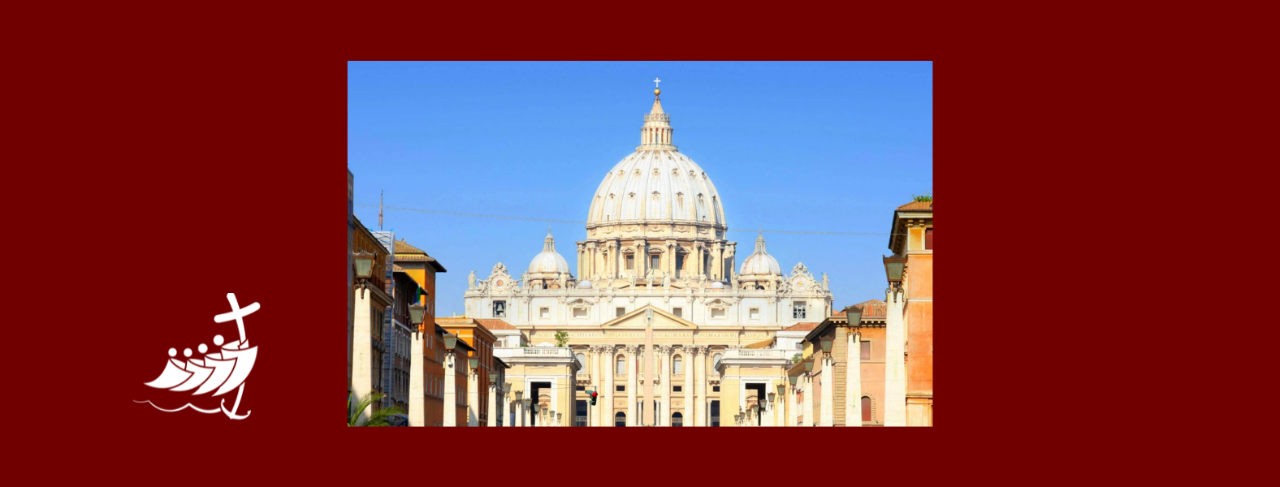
{"points": [[793, 379], [474, 361], [450, 341], [826, 345], [854, 313], [364, 264], [808, 365], [893, 267], [416, 314]]}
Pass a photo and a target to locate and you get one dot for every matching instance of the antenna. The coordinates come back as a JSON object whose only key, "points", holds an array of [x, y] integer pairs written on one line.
{"points": [[380, 210]]}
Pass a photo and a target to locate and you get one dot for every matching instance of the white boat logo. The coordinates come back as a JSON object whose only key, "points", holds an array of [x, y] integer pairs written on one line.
{"points": [[218, 372]]}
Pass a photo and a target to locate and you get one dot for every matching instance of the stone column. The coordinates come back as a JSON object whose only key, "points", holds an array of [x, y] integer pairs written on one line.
{"points": [[665, 376], [450, 389], [631, 385], [828, 390], [895, 379], [686, 353], [699, 390], [853, 380], [473, 397], [362, 345], [767, 412], [791, 404], [493, 405], [417, 393], [606, 398], [807, 408], [593, 354]]}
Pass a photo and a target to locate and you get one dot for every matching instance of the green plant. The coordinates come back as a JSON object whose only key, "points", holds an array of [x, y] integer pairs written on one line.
{"points": [[381, 417], [795, 359], [526, 345], [562, 338], [927, 196]]}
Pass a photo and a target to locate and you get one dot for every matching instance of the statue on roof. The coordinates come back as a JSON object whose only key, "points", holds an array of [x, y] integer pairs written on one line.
{"points": [[471, 280], [825, 284], [564, 276], [666, 281]]}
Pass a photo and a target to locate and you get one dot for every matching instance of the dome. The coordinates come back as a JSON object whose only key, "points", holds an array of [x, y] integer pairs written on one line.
{"points": [[717, 285], [548, 261], [760, 262], [656, 183], [584, 284]]}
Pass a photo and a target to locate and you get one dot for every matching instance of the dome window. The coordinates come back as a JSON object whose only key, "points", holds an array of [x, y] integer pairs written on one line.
{"points": [[655, 196]]}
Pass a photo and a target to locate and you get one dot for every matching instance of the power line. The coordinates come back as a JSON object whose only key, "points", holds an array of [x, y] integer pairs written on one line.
{"points": [[455, 213]]}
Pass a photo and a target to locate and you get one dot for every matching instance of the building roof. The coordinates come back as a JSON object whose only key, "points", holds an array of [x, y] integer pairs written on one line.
{"points": [[872, 310], [802, 326], [409, 253], [495, 324], [762, 344], [918, 206]]}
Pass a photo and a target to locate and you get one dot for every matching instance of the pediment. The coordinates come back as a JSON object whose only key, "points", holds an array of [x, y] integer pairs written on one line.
{"points": [[637, 320]]}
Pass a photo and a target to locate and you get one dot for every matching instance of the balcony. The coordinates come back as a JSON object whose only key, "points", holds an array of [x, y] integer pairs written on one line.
{"points": [[762, 353], [532, 352]]}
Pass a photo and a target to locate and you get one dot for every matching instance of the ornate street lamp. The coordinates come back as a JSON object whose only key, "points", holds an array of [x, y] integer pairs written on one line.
{"points": [[826, 345], [893, 267], [364, 264], [474, 361], [519, 394], [793, 379], [450, 341], [854, 313], [808, 365], [416, 314]]}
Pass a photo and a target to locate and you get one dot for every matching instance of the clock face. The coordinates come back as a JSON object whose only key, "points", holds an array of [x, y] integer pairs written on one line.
{"points": [[499, 282]]}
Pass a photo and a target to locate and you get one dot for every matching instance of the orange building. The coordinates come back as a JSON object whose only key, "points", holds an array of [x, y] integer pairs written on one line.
{"points": [[912, 237], [367, 317], [415, 276], [869, 337], [481, 341]]}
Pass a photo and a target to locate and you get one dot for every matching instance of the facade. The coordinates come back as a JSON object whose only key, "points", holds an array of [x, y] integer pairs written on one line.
{"points": [[661, 319], [415, 281], [351, 304], [369, 319], [481, 343], [912, 236]]}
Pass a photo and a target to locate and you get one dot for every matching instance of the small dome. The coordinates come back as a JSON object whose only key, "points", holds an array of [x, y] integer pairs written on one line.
{"points": [[584, 285], [717, 285], [760, 262], [548, 261]]}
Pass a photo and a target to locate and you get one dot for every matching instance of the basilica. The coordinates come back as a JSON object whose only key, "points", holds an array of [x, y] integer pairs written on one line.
{"points": [[663, 322]]}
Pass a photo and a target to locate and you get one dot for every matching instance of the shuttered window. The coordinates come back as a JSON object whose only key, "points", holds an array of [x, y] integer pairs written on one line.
{"points": [[866, 350], [928, 238], [866, 407]]}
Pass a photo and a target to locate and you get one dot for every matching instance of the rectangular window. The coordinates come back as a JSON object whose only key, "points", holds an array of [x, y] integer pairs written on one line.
{"points": [[620, 311], [631, 262], [621, 388], [928, 238], [678, 312], [677, 389], [715, 388], [755, 313], [866, 350], [581, 388], [544, 313], [499, 309], [579, 312], [798, 310], [653, 262], [717, 313]]}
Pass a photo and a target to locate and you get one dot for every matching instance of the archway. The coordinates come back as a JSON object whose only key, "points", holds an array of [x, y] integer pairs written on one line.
{"points": [[677, 420], [620, 419]]}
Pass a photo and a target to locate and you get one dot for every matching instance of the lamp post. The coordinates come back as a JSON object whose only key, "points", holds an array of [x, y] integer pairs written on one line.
{"points": [[893, 269], [523, 407], [450, 381], [362, 336]]}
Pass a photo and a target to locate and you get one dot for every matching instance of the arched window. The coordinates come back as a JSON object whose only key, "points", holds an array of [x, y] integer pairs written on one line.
{"points": [[620, 419], [677, 420], [622, 365], [678, 367], [866, 408]]}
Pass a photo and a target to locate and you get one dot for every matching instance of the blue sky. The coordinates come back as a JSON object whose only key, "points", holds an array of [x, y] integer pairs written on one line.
{"points": [[790, 146]]}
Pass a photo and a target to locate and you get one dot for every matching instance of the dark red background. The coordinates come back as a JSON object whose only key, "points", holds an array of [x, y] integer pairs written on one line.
{"points": [[191, 153]]}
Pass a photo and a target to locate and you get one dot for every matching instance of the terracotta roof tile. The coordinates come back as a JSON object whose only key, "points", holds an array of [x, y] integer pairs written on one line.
{"points": [[403, 247], [872, 309], [917, 205], [801, 327], [494, 324], [761, 344]]}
